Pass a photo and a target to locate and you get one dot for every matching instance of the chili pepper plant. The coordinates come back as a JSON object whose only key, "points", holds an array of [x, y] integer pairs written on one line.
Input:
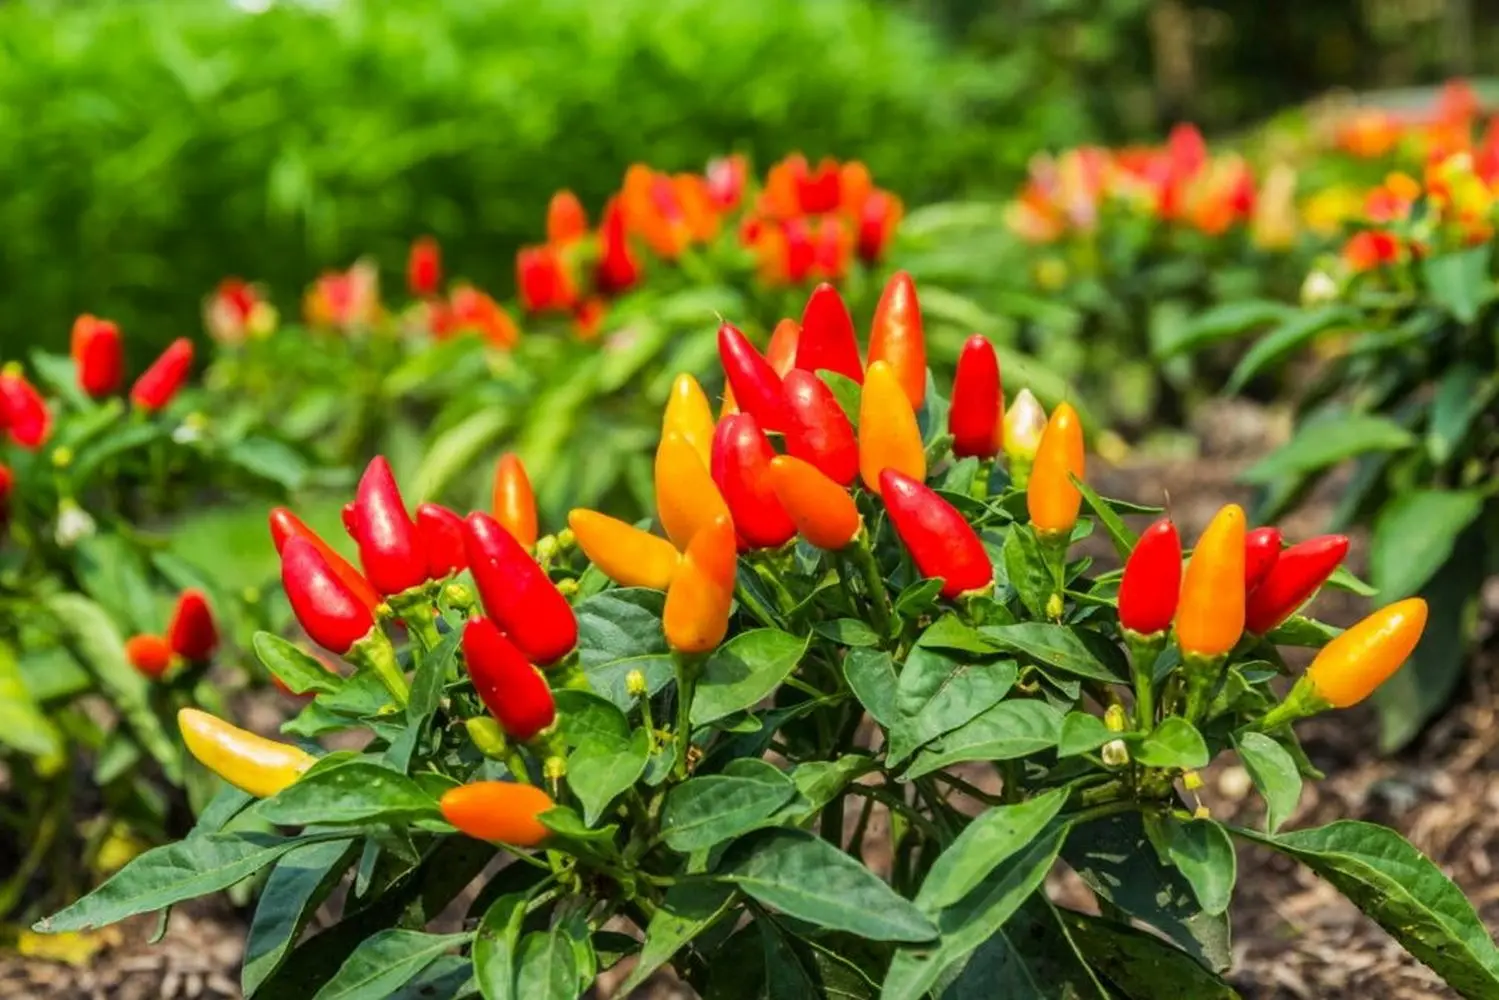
{"points": [[826, 731]]}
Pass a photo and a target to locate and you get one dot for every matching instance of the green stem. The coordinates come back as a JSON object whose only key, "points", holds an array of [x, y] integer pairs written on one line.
{"points": [[1144, 650], [896, 804], [374, 652], [687, 668], [862, 557], [979, 488], [421, 620]]}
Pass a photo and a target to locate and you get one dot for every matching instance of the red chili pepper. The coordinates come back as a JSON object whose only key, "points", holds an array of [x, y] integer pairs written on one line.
{"points": [[424, 267], [741, 468], [618, 270], [567, 222], [1294, 578], [159, 384], [389, 549], [828, 340], [817, 430], [976, 418], [517, 593], [725, 176], [331, 613], [441, 534], [878, 217], [192, 633], [23, 411], [98, 355], [897, 336], [7, 487], [941, 541], [514, 502], [1152, 583], [543, 280], [1261, 550], [149, 655], [285, 525], [511, 688], [756, 386]]}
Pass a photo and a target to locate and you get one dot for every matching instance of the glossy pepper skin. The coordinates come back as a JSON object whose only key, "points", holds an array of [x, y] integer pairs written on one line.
{"points": [[823, 512], [897, 337], [780, 353], [514, 691], [327, 609], [192, 633], [503, 811], [976, 416], [159, 384], [514, 502], [754, 383], [828, 341], [889, 436], [687, 498], [98, 355], [441, 534], [1210, 616], [149, 655], [1151, 586], [517, 593], [689, 414], [1351, 666], [1051, 497], [941, 541], [622, 552], [389, 549], [249, 762], [1261, 550], [1291, 582], [817, 430], [424, 267], [701, 595], [741, 468], [23, 412], [286, 525]]}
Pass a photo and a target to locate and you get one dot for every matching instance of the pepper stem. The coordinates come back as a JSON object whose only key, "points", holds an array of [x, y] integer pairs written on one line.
{"points": [[687, 669], [1301, 702], [1144, 650], [979, 488], [374, 652], [862, 556], [1201, 674]]}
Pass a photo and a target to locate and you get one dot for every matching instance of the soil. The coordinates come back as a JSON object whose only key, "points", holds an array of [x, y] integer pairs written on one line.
{"points": [[1295, 937]]}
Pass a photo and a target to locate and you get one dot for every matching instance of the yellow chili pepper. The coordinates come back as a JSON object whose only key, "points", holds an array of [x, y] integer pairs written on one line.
{"points": [[889, 436], [250, 763], [1050, 496], [622, 552], [1210, 616], [1024, 423], [702, 593], [687, 498], [689, 414], [1351, 666]]}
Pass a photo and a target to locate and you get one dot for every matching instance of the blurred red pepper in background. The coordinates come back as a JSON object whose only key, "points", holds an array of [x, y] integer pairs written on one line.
{"points": [[159, 384]]}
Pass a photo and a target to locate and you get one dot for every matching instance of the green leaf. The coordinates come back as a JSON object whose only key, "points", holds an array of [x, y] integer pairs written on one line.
{"points": [[297, 669], [1174, 743], [1461, 395], [973, 920], [1305, 632], [1290, 336], [949, 632], [1204, 854], [169, 874], [1274, 773], [1117, 861], [872, 677], [1141, 965], [918, 598], [1328, 442], [23, 724], [1081, 732], [936, 694], [687, 911], [271, 460], [1027, 569], [619, 631], [990, 840], [386, 961], [1343, 579], [548, 966], [1119, 533], [457, 449], [1222, 322], [358, 791], [1011, 729], [846, 391], [1402, 891], [1414, 535], [709, 810], [1032, 956], [1459, 282], [810, 879], [848, 632], [565, 823], [494, 947], [743, 671], [1058, 646], [608, 758], [297, 886]]}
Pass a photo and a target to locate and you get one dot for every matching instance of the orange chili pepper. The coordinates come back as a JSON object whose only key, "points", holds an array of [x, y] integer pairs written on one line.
{"points": [[687, 499], [701, 595], [688, 413], [823, 512], [781, 352], [1210, 616], [505, 811], [514, 501], [622, 552], [897, 336], [1050, 495], [889, 436], [1351, 666]]}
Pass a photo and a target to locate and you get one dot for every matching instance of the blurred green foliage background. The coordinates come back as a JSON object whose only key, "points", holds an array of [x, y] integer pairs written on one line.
{"points": [[149, 149]]}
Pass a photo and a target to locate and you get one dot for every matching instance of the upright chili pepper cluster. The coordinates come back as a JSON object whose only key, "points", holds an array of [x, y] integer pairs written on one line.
{"points": [[192, 637]]}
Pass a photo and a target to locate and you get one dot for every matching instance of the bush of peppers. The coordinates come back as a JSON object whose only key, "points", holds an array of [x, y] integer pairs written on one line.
{"points": [[663, 735]]}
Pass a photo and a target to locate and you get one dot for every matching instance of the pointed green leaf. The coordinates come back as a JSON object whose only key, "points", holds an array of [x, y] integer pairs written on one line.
{"points": [[991, 839], [1274, 773], [743, 671], [387, 961]]}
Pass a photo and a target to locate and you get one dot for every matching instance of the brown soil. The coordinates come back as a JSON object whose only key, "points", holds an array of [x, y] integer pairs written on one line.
{"points": [[1296, 938]]}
